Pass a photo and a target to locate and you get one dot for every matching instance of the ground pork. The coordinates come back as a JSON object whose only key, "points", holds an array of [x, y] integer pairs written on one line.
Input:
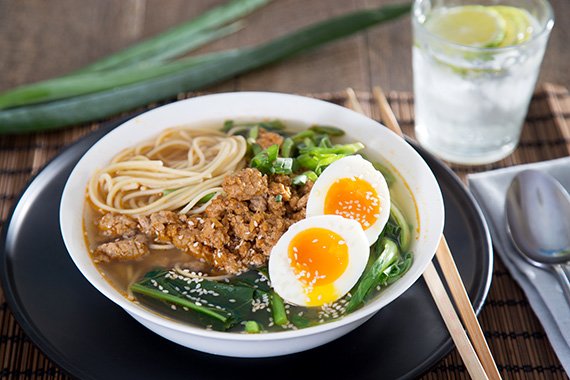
{"points": [[114, 225], [237, 230], [122, 249], [265, 138], [245, 184]]}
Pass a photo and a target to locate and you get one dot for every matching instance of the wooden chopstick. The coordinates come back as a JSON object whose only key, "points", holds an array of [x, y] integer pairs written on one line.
{"points": [[453, 324], [448, 267], [477, 356]]}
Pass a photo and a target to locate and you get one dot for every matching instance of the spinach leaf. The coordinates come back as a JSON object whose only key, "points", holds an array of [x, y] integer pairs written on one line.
{"points": [[211, 303]]}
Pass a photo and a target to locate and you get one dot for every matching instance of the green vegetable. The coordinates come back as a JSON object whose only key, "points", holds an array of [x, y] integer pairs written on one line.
{"points": [[263, 161], [252, 327], [317, 159], [272, 125], [102, 104], [283, 166], [228, 124], [392, 230], [141, 61], [388, 256], [244, 128], [202, 200], [325, 142], [91, 82], [220, 304], [405, 233], [206, 198], [301, 136], [312, 176], [327, 130], [395, 271], [302, 179], [278, 309], [300, 321], [177, 40], [155, 293], [388, 176], [268, 162], [346, 149], [253, 135], [287, 147]]}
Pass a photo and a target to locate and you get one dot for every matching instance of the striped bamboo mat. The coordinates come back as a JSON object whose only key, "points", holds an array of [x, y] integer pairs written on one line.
{"points": [[516, 338]]}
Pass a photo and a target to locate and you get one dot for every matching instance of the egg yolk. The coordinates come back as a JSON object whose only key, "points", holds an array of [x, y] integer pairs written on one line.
{"points": [[353, 198], [318, 257]]}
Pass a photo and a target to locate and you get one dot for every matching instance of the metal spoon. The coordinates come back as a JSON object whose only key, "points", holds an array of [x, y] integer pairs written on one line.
{"points": [[538, 222]]}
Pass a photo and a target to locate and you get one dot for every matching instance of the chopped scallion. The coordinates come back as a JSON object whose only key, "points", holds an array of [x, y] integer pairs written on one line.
{"points": [[278, 309], [252, 327]]}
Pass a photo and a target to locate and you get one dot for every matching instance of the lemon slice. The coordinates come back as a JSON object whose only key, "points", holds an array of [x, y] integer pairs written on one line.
{"points": [[470, 25], [519, 26]]}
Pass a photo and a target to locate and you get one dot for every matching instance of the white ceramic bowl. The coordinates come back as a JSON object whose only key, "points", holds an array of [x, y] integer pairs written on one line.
{"points": [[216, 108]]}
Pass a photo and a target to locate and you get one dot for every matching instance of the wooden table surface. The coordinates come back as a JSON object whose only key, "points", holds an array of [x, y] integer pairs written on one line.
{"points": [[41, 39]]}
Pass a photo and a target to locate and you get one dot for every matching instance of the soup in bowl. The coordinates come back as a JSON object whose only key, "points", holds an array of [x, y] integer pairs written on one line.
{"points": [[251, 224]]}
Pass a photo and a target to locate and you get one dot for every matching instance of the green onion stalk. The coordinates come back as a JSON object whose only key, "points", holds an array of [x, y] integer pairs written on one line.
{"points": [[88, 102]]}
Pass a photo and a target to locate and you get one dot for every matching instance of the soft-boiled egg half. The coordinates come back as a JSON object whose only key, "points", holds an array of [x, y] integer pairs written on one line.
{"points": [[318, 260], [352, 188]]}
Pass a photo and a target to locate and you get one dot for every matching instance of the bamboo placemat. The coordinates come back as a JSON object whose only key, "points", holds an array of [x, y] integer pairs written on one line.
{"points": [[516, 337]]}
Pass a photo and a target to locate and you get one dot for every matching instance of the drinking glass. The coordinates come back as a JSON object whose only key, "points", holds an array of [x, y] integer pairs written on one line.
{"points": [[471, 102]]}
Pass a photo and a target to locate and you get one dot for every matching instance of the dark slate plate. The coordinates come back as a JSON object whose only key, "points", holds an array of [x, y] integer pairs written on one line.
{"points": [[92, 338]]}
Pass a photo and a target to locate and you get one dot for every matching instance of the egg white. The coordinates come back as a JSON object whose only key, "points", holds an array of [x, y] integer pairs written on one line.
{"points": [[282, 274], [351, 167]]}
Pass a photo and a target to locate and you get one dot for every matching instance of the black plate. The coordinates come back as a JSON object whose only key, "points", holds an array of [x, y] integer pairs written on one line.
{"points": [[92, 338]]}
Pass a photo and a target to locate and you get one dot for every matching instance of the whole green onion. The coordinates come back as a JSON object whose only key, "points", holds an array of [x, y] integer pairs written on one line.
{"points": [[138, 62], [102, 104], [177, 40], [75, 85]]}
